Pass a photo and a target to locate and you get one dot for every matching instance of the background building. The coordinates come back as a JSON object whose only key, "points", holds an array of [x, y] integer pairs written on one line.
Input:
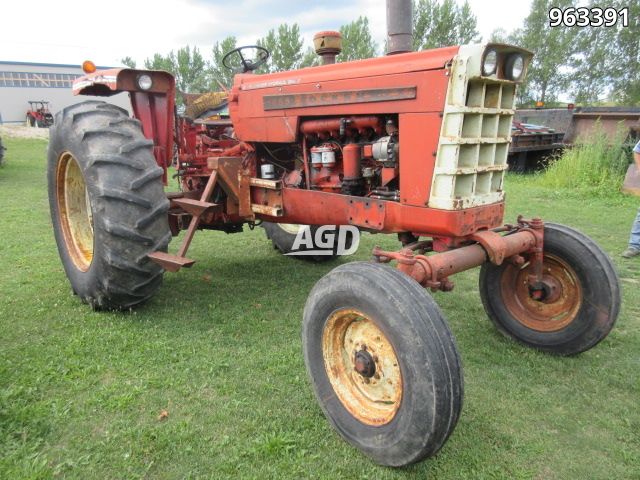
{"points": [[23, 81]]}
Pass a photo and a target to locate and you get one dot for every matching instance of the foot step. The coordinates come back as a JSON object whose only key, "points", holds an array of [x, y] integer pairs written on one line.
{"points": [[169, 262], [196, 207], [264, 183]]}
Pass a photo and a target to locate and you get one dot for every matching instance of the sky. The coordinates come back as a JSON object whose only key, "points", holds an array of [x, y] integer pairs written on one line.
{"points": [[75, 31]]}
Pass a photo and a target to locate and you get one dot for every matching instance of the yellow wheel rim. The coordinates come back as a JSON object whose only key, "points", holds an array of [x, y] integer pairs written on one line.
{"points": [[75, 211], [362, 367]]}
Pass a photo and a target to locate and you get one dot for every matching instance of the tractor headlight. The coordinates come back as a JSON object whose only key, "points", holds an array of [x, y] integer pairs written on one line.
{"points": [[490, 63], [145, 82], [514, 67]]}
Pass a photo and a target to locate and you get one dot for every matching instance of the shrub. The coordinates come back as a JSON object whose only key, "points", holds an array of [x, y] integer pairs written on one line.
{"points": [[596, 164]]}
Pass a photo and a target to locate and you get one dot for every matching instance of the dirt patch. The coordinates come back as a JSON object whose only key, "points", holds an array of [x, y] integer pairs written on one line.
{"points": [[22, 131]]}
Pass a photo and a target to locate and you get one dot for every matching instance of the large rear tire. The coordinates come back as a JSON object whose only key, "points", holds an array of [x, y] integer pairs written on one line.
{"points": [[108, 206], [383, 362], [576, 311]]}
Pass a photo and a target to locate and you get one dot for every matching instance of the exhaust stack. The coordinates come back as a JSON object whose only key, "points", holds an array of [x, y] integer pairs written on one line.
{"points": [[399, 26]]}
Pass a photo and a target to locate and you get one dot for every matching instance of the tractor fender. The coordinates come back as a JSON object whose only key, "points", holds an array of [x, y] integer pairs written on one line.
{"points": [[153, 106], [104, 83]]}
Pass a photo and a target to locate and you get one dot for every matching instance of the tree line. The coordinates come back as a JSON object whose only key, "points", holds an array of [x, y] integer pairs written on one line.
{"points": [[586, 64], [197, 72], [194, 73]]}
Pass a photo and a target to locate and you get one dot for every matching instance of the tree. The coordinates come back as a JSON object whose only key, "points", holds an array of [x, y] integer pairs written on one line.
{"points": [[285, 46], [500, 35], [467, 25], [424, 18], [187, 66], [192, 71], [592, 64], [443, 24], [626, 55], [128, 62], [549, 72], [161, 62], [310, 58], [357, 42], [220, 75]]}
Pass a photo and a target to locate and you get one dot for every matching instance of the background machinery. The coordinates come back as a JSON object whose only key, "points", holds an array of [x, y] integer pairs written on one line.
{"points": [[38, 114]]}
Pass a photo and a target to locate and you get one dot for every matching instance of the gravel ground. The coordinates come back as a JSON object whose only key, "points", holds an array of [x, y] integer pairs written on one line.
{"points": [[21, 131]]}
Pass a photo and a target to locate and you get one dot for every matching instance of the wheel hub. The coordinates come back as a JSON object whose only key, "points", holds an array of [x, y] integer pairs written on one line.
{"points": [[546, 306], [364, 363], [548, 290]]}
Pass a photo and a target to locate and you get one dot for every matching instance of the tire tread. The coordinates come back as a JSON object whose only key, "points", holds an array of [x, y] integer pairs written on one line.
{"points": [[131, 206]]}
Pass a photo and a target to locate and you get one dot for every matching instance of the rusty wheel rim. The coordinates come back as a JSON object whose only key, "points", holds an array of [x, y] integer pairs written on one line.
{"points": [[557, 309], [75, 211], [362, 367]]}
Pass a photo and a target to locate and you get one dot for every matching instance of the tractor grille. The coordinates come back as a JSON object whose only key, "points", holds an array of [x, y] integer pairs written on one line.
{"points": [[474, 142]]}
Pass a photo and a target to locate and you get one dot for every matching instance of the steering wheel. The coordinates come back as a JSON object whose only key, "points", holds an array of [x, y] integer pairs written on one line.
{"points": [[247, 64]]}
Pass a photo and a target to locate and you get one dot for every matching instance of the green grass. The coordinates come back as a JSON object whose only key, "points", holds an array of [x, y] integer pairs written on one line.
{"points": [[219, 350], [594, 166]]}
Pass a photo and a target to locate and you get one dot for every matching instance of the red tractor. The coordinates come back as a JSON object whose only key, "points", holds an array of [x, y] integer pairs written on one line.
{"points": [[38, 114], [413, 143]]}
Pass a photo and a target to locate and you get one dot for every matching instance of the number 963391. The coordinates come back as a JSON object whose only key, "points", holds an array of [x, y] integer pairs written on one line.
{"points": [[588, 17]]}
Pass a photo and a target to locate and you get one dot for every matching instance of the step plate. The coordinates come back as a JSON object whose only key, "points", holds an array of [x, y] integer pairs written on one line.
{"points": [[171, 263], [196, 207]]}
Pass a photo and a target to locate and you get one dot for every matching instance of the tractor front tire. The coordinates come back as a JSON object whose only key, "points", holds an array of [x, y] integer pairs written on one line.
{"points": [[577, 312], [383, 362], [108, 206]]}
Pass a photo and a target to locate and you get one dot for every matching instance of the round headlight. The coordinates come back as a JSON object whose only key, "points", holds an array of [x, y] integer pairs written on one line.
{"points": [[514, 67], [490, 63], [145, 82]]}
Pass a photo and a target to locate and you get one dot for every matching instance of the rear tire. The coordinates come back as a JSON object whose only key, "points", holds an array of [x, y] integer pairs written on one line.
{"points": [[578, 313], [402, 401], [283, 236], [30, 121], [108, 206]]}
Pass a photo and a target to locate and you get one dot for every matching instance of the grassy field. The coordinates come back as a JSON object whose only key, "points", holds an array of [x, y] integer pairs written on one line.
{"points": [[81, 393]]}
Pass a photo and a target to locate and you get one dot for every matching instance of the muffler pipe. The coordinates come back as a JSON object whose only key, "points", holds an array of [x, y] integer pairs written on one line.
{"points": [[399, 26]]}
